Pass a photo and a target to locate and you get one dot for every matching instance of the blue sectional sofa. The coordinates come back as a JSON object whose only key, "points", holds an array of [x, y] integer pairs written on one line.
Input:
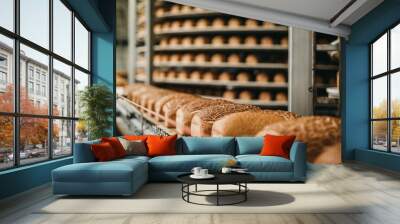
{"points": [[125, 176]]}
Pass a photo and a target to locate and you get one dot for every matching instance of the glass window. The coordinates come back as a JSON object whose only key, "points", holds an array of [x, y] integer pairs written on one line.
{"points": [[379, 55], [40, 61], [379, 98], [7, 14], [62, 29], [62, 137], [81, 131], [35, 21], [33, 139], [6, 142], [395, 136], [7, 74], [379, 135], [395, 47], [81, 45], [395, 95], [62, 71], [81, 82]]}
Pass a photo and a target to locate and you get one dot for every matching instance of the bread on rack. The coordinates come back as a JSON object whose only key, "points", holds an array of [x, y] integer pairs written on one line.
{"points": [[201, 58], [174, 58], [195, 75], [217, 58], [188, 24], [208, 76], [234, 40], [251, 23], [279, 77], [268, 25], [267, 41], [262, 77], [171, 75], [175, 9], [157, 28], [250, 40], [159, 12], [217, 40], [164, 58], [233, 59], [284, 41], [174, 41], [201, 23], [185, 114], [234, 22], [243, 77], [159, 104], [204, 119], [251, 59], [186, 41], [165, 27], [265, 96], [321, 134], [200, 40], [157, 58], [281, 96], [229, 94], [182, 75], [175, 25], [187, 58], [248, 123], [164, 42], [186, 9], [225, 76], [245, 95], [218, 23], [169, 109]]}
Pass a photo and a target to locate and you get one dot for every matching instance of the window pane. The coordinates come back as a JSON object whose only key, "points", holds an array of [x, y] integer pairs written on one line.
{"points": [[395, 47], [7, 14], [395, 136], [62, 89], [6, 142], [34, 97], [62, 29], [6, 74], [379, 55], [395, 94], [35, 21], [379, 135], [379, 97], [81, 81], [33, 139], [81, 132], [81, 45], [62, 138]]}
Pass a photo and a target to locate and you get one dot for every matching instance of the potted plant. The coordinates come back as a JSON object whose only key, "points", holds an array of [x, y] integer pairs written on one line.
{"points": [[96, 104]]}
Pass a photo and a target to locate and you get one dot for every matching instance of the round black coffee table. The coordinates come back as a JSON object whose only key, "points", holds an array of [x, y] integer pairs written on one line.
{"points": [[238, 179]]}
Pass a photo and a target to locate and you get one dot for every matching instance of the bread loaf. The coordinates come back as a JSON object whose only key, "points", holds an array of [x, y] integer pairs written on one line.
{"points": [[268, 25], [284, 41], [204, 119], [250, 40], [157, 28], [174, 41], [245, 95], [225, 76], [234, 58], [185, 114], [183, 75], [157, 58], [251, 23], [174, 58], [318, 132], [171, 75], [279, 78], [202, 23], [208, 76], [229, 94], [217, 58], [164, 58], [195, 75], [164, 42], [188, 24], [248, 123], [175, 9], [261, 77], [218, 23], [159, 104], [201, 58], [176, 25], [186, 9], [200, 40], [159, 12], [251, 59], [187, 58], [217, 40], [234, 23], [186, 41], [166, 26], [153, 98], [169, 109], [265, 96], [281, 96], [234, 40], [243, 77], [267, 41]]}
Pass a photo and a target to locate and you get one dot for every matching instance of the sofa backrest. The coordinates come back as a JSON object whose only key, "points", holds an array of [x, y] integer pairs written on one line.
{"points": [[206, 145], [249, 145], [83, 152]]}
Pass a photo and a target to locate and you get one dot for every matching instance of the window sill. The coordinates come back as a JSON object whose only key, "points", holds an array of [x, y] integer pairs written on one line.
{"points": [[26, 167]]}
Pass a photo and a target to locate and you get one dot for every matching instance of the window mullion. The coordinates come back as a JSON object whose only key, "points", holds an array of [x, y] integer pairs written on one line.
{"points": [[389, 101], [73, 82]]}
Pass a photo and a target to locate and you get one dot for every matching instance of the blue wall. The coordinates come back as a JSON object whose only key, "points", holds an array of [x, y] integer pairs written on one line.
{"points": [[355, 108], [99, 15]]}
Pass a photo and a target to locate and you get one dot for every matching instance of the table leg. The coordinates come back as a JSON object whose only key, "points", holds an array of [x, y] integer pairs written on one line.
{"points": [[217, 194], [245, 193]]}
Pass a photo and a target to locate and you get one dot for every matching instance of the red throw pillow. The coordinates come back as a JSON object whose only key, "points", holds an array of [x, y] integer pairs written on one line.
{"points": [[277, 145], [116, 145], [161, 145], [103, 152], [135, 137]]}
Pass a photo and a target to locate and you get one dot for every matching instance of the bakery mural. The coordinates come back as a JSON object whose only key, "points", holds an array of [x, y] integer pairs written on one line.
{"points": [[213, 74]]}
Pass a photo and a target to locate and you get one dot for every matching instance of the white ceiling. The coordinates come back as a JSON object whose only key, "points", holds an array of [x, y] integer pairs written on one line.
{"points": [[315, 15]]}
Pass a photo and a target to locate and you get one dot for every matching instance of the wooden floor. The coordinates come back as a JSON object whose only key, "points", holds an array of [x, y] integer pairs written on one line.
{"points": [[379, 189]]}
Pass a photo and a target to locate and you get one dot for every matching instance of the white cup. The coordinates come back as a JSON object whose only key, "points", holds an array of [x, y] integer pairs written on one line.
{"points": [[196, 171], [203, 172], [226, 170]]}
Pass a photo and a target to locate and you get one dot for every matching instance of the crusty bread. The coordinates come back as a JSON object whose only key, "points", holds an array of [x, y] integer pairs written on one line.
{"points": [[245, 95], [176, 25], [187, 58], [267, 41], [234, 40], [217, 58], [202, 23], [251, 23], [229, 94], [175, 9], [251, 59], [159, 12], [171, 75], [217, 40], [218, 23], [248, 123], [234, 22], [159, 104], [250, 40], [186, 41], [208, 76], [165, 27], [183, 75], [225, 76], [201, 58], [184, 114], [265, 96], [195, 75], [187, 9], [279, 78], [164, 42], [284, 41], [188, 24], [174, 58], [204, 119], [157, 28], [200, 40], [169, 109], [174, 41], [318, 132], [268, 25], [234, 58], [262, 77], [281, 96], [243, 77]]}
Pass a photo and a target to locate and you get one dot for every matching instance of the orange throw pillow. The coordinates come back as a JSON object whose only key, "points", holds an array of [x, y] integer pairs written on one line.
{"points": [[135, 137], [161, 145], [277, 145], [116, 145], [103, 152]]}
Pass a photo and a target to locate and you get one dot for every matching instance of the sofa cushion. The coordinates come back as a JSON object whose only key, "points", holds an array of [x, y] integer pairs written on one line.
{"points": [[103, 152], [257, 163], [83, 152], [185, 163], [249, 145], [161, 145], [206, 145]]}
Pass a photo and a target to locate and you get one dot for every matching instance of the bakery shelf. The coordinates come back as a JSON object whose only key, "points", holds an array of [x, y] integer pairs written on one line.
{"points": [[223, 65], [211, 47], [210, 30], [260, 103], [228, 84], [187, 15], [326, 47], [140, 49]]}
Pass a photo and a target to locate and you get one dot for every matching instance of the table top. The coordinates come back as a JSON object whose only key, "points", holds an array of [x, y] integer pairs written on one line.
{"points": [[220, 178]]}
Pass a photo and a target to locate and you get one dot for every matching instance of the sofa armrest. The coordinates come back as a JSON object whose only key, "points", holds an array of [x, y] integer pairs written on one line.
{"points": [[298, 155], [83, 152]]}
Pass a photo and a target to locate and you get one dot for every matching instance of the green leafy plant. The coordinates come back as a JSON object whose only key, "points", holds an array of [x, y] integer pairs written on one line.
{"points": [[96, 104]]}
